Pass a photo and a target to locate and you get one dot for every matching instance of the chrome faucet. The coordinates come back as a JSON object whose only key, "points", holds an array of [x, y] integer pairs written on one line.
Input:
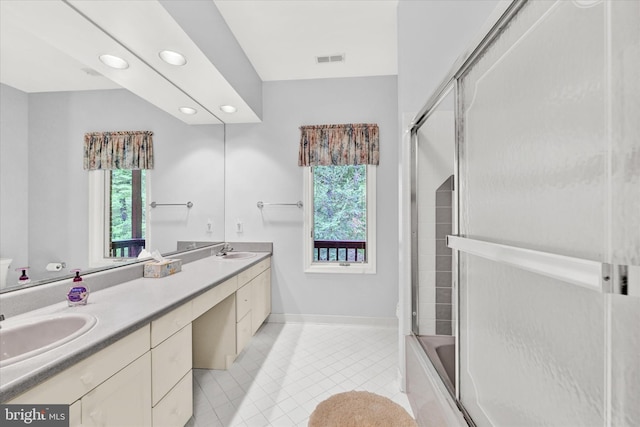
{"points": [[225, 248]]}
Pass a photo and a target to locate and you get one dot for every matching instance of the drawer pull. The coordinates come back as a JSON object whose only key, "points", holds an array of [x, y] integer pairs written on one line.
{"points": [[87, 378]]}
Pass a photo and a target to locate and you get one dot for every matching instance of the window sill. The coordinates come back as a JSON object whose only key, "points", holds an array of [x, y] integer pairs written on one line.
{"points": [[353, 268]]}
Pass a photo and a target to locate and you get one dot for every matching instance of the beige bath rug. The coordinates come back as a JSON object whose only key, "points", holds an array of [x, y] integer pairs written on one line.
{"points": [[360, 409]]}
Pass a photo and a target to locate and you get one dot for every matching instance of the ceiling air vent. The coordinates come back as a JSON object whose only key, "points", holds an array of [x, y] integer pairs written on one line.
{"points": [[329, 58]]}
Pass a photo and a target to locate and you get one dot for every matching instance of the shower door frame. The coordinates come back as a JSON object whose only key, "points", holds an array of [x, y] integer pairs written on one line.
{"points": [[448, 84]]}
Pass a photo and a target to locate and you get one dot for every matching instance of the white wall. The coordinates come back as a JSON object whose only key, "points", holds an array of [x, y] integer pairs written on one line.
{"points": [[431, 36], [14, 183], [262, 164]]}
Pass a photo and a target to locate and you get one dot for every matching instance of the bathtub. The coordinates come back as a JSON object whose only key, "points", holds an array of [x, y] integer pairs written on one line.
{"points": [[441, 350]]}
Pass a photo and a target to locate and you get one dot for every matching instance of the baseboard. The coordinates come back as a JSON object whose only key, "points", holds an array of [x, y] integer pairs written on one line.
{"points": [[385, 322]]}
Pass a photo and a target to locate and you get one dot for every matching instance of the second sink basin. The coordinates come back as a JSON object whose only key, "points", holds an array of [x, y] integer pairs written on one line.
{"points": [[23, 339], [238, 255]]}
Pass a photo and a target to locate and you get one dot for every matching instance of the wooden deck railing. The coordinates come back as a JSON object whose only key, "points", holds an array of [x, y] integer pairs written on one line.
{"points": [[340, 250], [129, 248]]}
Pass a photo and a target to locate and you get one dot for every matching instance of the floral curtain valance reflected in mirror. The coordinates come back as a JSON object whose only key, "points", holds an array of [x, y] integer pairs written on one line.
{"points": [[338, 145], [118, 150]]}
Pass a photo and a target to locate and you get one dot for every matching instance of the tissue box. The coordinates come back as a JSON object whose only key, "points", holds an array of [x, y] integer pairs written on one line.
{"points": [[162, 268]]}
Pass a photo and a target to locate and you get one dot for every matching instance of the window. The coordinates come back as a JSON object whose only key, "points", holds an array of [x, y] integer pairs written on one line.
{"points": [[125, 201], [117, 215], [340, 219]]}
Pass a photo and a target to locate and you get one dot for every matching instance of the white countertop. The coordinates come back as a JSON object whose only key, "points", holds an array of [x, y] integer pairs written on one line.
{"points": [[120, 310]]}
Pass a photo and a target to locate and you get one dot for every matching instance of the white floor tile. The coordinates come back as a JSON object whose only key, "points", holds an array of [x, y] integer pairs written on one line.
{"points": [[287, 369]]}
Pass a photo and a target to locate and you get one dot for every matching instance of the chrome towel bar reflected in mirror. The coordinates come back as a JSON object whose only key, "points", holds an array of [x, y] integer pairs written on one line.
{"points": [[263, 204], [188, 204]]}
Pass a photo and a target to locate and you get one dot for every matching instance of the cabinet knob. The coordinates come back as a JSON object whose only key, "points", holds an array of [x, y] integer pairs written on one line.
{"points": [[86, 378]]}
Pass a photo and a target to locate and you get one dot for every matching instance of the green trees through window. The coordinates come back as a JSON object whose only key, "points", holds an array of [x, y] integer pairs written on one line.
{"points": [[340, 212], [127, 225]]}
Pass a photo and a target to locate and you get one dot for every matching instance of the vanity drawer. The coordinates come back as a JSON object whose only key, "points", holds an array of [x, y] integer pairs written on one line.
{"points": [[243, 301], [213, 296], [243, 332], [170, 323], [248, 274], [176, 407], [169, 362], [122, 400], [73, 383]]}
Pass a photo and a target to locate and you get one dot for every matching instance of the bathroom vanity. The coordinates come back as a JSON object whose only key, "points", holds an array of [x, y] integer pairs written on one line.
{"points": [[134, 366]]}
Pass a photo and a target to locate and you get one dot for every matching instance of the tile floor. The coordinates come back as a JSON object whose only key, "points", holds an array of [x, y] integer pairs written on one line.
{"points": [[287, 369]]}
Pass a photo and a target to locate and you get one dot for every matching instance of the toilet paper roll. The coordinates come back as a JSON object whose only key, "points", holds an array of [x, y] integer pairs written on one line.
{"points": [[54, 266]]}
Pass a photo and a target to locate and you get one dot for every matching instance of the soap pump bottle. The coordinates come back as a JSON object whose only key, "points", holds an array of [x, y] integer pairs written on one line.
{"points": [[79, 293], [23, 279]]}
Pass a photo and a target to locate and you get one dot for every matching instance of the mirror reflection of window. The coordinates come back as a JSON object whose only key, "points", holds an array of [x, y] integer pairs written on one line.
{"points": [[125, 200]]}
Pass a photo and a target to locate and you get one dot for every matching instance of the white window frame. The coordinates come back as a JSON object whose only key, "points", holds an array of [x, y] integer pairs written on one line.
{"points": [[368, 267], [98, 233]]}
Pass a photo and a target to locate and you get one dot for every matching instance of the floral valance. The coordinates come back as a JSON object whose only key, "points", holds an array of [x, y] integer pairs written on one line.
{"points": [[118, 150], [338, 145]]}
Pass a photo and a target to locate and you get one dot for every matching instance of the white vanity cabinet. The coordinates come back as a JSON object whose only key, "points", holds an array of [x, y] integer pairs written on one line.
{"points": [[112, 383], [171, 339], [229, 315], [145, 378], [260, 299], [253, 301]]}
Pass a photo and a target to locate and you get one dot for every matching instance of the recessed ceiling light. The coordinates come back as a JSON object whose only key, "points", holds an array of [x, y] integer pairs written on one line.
{"points": [[228, 108], [188, 110], [114, 62], [173, 58]]}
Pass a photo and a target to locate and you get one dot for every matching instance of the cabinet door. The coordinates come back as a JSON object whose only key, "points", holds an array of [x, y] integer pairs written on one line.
{"points": [[75, 414], [243, 334], [123, 400], [169, 362], [260, 299], [244, 300]]}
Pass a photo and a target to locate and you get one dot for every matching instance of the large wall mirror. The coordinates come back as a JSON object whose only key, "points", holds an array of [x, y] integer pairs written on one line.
{"points": [[44, 193]]}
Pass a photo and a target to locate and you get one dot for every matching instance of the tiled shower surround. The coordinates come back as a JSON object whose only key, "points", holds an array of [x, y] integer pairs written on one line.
{"points": [[444, 226]]}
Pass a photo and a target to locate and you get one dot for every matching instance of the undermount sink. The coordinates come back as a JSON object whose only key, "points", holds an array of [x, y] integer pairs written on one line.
{"points": [[24, 339], [238, 255]]}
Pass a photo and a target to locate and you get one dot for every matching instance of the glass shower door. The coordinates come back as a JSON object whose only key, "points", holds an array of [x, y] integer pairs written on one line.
{"points": [[434, 217], [549, 162]]}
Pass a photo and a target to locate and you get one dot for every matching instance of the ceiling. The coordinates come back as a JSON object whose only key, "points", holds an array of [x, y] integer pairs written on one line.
{"points": [[283, 37], [52, 45]]}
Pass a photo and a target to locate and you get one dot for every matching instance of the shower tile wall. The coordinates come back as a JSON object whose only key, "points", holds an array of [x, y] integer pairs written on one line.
{"points": [[435, 167], [444, 226]]}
